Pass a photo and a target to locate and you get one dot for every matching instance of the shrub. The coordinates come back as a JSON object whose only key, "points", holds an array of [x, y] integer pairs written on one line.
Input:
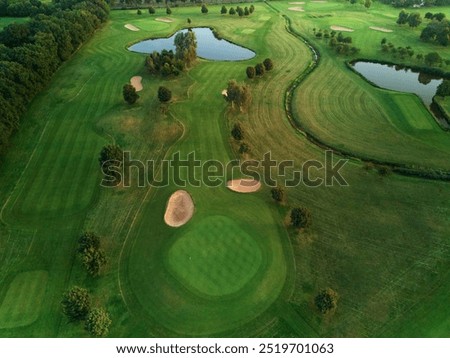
{"points": [[259, 69], [76, 303], [251, 72], [300, 218], [164, 94], [268, 64], [326, 300]]}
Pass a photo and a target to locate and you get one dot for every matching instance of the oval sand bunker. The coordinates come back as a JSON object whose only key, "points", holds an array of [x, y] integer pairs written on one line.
{"points": [[244, 185], [180, 209]]}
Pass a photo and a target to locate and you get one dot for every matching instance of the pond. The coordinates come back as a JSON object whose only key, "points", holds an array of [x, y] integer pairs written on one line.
{"points": [[208, 46], [400, 79]]}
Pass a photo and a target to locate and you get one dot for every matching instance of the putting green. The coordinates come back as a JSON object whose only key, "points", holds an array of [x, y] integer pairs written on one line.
{"points": [[216, 257], [22, 303]]}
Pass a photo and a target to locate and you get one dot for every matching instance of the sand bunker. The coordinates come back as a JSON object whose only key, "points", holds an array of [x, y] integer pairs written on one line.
{"points": [[244, 185], [340, 28], [131, 27], [297, 3], [297, 8], [163, 19], [382, 29], [136, 82], [180, 209], [225, 93]]}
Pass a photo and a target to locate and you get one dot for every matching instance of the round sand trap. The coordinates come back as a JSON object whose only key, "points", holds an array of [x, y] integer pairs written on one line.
{"points": [[340, 28], [180, 209], [136, 82], [163, 19], [297, 3], [296, 8], [225, 93], [131, 27], [381, 29], [244, 185]]}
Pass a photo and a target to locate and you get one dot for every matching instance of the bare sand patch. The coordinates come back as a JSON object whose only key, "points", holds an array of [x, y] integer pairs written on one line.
{"points": [[163, 19], [296, 8], [244, 185], [225, 93], [341, 28], [180, 209], [297, 3], [136, 82], [381, 29], [131, 27]]}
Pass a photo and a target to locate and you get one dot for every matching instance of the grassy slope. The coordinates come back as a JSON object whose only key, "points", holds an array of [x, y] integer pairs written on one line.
{"points": [[387, 125], [389, 266], [5, 21]]}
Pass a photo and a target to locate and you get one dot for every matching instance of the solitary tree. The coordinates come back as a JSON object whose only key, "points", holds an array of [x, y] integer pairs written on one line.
{"points": [[111, 161], [139, 12], [204, 9], [268, 64], [76, 303], [98, 322], [223, 10], [129, 94], [164, 94], [300, 218], [259, 69], [278, 194], [326, 300], [168, 10], [367, 4], [151, 10], [237, 132], [250, 72], [189, 21]]}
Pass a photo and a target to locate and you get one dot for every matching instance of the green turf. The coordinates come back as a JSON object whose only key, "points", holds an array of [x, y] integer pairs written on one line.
{"points": [[381, 243], [216, 257], [23, 301], [5, 21]]}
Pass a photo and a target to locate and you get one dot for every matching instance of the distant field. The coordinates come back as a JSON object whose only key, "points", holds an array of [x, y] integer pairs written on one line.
{"points": [[5, 21], [234, 269]]}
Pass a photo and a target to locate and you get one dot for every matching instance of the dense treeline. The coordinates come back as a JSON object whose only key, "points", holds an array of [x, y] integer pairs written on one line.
{"points": [[23, 8], [411, 3], [31, 52]]}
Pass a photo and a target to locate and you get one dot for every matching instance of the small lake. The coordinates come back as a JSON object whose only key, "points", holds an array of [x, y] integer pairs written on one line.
{"points": [[208, 46], [400, 79]]}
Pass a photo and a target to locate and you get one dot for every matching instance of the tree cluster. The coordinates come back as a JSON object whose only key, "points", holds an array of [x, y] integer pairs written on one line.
{"points": [[259, 69], [169, 63], [437, 31], [111, 162], [342, 44], [412, 19], [31, 52], [76, 305], [92, 256], [239, 95], [443, 89], [402, 52], [411, 3], [300, 218], [246, 11], [326, 300]]}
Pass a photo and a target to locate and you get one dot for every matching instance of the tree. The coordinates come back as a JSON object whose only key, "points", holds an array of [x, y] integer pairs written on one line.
{"points": [[164, 94], [240, 11], [414, 20], [223, 10], [232, 11], [238, 94], [300, 218], [246, 11], [98, 322], [383, 41], [259, 69], [432, 58], [237, 132], [204, 9], [93, 260], [139, 12], [439, 16], [268, 64], [443, 89], [326, 300], [367, 4], [87, 241], [151, 10], [189, 21], [168, 10], [250, 72], [278, 194], [402, 17], [428, 15], [111, 161], [252, 9], [129, 94], [186, 47], [76, 303]]}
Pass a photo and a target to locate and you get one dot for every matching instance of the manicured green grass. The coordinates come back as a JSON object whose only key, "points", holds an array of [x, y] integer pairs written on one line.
{"points": [[5, 21], [23, 301], [381, 243], [216, 257]]}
